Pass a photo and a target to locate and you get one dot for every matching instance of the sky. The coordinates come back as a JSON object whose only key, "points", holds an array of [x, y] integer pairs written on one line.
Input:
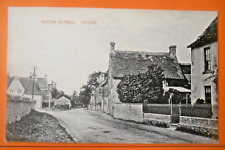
{"points": [[68, 44]]}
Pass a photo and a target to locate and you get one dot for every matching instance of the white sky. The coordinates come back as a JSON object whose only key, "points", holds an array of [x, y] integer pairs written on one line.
{"points": [[68, 53]]}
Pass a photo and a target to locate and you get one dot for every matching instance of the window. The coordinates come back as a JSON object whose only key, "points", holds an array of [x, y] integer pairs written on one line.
{"points": [[208, 94], [207, 59], [100, 91], [11, 91], [19, 91]]}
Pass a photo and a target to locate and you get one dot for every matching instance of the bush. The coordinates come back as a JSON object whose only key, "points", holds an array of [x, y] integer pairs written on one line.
{"points": [[158, 123], [197, 131], [143, 86], [176, 98], [200, 101]]}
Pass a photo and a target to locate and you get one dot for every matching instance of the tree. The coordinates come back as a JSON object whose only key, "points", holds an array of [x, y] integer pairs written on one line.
{"points": [[75, 99], [86, 90], [92, 79], [85, 94], [144, 86], [54, 93], [177, 96]]}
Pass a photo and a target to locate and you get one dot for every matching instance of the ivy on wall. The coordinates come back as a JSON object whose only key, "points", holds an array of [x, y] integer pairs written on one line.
{"points": [[143, 86]]}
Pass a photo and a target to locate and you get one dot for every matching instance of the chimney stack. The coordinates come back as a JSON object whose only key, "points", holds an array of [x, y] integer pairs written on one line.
{"points": [[112, 45], [172, 51]]}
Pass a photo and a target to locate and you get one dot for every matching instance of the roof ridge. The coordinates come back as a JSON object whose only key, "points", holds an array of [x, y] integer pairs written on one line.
{"points": [[155, 53]]}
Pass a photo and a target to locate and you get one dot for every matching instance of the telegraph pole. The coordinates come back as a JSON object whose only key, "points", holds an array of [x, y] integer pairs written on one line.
{"points": [[34, 74]]}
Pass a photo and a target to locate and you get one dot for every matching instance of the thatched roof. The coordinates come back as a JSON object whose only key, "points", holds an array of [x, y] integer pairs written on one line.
{"points": [[210, 35], [131, 63]]}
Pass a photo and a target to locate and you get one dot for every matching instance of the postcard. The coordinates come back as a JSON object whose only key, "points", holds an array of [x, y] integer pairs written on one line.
{"points": [[97, 75]]}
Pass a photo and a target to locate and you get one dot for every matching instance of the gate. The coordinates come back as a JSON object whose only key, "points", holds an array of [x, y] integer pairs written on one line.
{"points": [[175, 113]]}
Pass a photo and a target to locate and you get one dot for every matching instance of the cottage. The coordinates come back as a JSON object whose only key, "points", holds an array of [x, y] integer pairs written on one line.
{"points": [[98, 94], [204, 59], [25, 87], [123, 63], [63, 102]]}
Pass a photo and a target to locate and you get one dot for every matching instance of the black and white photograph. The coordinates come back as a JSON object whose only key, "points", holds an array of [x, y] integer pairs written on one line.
{"points": [[102, 75]]}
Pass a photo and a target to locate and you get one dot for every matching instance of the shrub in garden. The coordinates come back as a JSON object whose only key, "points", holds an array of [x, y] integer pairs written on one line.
{"points": [[143, 86], [200, 101], [176, 98]]}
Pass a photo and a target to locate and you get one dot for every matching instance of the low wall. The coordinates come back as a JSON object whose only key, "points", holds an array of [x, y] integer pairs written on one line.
{"points": [[128, 111], [200, 122], [17, 108], [203, 126], [157, 117]]}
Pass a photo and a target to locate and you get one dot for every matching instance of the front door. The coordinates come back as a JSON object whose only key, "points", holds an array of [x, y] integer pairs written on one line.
{"points": [[208, 94]]}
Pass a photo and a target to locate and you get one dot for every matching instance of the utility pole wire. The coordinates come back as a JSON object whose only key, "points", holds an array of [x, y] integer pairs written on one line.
{"points": [[33, 82]]}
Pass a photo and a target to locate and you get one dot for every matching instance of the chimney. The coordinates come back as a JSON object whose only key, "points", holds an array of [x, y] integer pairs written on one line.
{"points": [[112, 45], [172, 51]]}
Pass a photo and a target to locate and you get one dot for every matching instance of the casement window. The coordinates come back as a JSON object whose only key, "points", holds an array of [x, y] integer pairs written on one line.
{"points": [[207, 59], [208, 94]]}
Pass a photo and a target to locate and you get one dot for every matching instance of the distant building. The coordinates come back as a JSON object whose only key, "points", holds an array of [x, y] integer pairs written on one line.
{"points": [[123, 63], [98, 94], [63, 102], [25, 87], [204, 59]]}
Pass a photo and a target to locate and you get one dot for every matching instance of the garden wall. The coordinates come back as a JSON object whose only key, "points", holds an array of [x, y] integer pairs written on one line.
{"points": [[128, 111], [17, 108], [203, 126]]}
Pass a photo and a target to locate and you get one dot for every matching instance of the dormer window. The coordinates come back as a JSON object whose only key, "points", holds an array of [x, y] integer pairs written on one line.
{"points": [[207, 59]]}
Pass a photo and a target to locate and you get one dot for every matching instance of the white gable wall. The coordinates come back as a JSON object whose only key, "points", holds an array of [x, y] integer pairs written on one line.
{"points": [[15, 88]]}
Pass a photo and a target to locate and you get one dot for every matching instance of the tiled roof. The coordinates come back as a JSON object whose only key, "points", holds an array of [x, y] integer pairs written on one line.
{"points": [[9, 81], [186, 68], [42, 83], [131, 63], [210, 35], [27, 84]]}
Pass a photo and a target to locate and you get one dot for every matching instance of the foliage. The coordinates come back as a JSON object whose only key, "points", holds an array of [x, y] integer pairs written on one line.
{"points": [[85, 95], [216, 83], [86, 90], [92, 79], [54, 93], [143, 86], [200, 101], [176, 96], [75, 101]]}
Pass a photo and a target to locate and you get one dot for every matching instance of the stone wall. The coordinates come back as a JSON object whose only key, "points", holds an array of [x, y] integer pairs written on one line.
{"points": [[157, 117], [203, 126], [17, 109], [128, 111], [200, 122]]}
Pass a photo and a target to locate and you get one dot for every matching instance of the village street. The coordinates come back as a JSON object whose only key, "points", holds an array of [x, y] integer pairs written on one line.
{"points": [[96, 127]]}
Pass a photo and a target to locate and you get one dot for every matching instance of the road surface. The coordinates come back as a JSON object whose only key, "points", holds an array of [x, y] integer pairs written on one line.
{"points": [[97, 127]]}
